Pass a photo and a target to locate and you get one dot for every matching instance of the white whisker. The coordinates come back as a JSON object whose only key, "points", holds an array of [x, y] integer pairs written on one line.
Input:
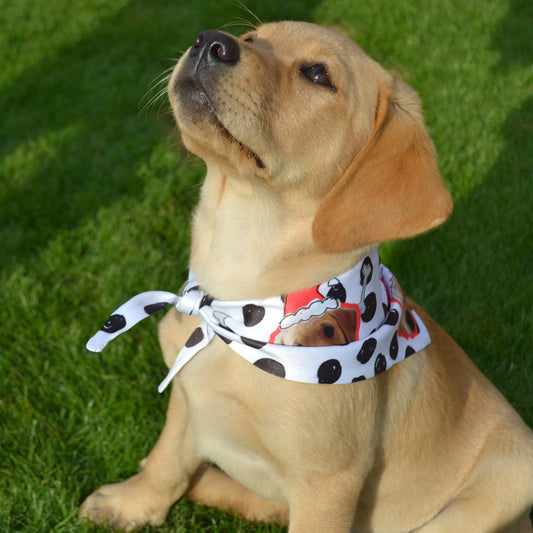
{"points": [[251, 13], [156, 90]]}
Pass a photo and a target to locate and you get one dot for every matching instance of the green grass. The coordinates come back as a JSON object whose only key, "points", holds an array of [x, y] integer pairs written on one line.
{"points": [[95, 198]]}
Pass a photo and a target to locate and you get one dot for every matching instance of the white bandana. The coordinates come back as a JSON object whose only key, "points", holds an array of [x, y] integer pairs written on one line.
{"points": [[342, 331]]}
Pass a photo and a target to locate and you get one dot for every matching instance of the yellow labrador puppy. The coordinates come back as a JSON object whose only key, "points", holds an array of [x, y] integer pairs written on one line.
{"points": [[315, 154]]}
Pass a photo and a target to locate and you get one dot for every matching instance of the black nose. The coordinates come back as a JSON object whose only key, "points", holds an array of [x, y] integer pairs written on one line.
{"points": [[216, 47]]}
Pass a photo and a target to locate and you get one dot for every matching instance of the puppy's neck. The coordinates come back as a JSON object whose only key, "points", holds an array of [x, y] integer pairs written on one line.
{"points": [[252, 240]]}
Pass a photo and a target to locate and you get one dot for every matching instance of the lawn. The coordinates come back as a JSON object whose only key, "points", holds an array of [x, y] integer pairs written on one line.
{"points": [[95, 198]]}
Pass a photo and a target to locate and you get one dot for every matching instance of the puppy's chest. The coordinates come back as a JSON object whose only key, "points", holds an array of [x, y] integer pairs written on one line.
{"points": [[224, 425], [230, 451]]}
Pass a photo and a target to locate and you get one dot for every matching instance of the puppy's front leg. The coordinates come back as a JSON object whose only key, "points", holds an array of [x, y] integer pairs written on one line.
{"points": [[145, 498], [214, 488], [324, 505]]}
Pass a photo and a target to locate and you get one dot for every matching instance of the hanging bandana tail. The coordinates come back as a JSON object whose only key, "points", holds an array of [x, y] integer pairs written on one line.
{"points": [[127, 315]]}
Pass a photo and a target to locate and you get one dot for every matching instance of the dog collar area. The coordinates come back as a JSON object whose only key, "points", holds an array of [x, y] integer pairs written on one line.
{"points": [[348, 329]]}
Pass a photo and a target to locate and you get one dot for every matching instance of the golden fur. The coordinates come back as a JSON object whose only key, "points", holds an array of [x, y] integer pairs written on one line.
{"points": [[302, 179]]}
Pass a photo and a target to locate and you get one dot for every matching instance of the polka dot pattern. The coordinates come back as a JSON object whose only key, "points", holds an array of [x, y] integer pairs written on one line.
{"points": [[393, 349], [363, 307], [253, 343], [370, 307], [329, 371], [253, 314], [196, 338], [380, 365], [271, 366], [367, 350], [114, 323], [154, 308], [392, 317]]}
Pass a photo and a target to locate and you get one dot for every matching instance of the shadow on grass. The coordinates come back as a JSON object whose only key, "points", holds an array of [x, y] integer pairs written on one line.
{"points": [[485, 302], [512, 36], [71, 124]]}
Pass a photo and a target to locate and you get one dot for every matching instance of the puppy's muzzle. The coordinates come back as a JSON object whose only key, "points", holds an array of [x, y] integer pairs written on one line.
{"points": [[202, 91], [198, 75], [212, 48]]}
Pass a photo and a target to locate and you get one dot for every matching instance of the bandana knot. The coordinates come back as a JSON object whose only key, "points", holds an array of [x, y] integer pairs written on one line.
{"points": [[345, 330], [190, 302]]}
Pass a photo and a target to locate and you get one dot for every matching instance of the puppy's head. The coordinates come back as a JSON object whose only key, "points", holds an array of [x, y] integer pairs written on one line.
{"points": [[304, 110], [333, 328]]}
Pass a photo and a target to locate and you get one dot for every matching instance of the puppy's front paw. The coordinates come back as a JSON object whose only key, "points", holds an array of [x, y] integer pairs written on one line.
{"points": [[127, 505]]}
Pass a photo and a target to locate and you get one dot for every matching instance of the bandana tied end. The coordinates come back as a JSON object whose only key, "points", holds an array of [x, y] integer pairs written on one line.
{"points": [[97, 343], [127, 315]]}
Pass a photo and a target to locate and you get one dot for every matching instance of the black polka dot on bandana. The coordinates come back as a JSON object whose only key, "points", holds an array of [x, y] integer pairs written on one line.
{"points": [[271, 366], [196, 337], [329, 371], [114, 323], [370, 307], [253, 343], [358, 378], [409, 350], [154, 308], [366, 271], [367, 350], [206, 300], [393, 350], [392, 318], [380, 365], [253, 314]]}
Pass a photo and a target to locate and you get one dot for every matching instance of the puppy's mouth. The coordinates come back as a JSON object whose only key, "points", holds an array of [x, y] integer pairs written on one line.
{"points": [[201, 103]]}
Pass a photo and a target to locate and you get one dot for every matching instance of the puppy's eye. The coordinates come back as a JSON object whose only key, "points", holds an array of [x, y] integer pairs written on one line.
{"points": [[329, 331], [317, 74]]}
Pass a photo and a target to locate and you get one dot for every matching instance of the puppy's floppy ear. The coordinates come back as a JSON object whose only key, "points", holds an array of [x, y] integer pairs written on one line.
{"points": [[392, 189], [347, 320]]}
